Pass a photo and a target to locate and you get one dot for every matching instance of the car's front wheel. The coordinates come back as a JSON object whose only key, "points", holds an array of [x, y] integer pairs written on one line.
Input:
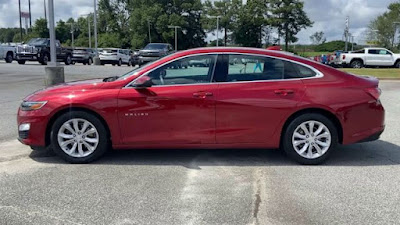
{"points": [[79, 137], [310, 138]]}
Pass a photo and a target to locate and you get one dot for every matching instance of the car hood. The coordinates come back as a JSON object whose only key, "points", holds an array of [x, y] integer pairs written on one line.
{"points": [[70, 87]]}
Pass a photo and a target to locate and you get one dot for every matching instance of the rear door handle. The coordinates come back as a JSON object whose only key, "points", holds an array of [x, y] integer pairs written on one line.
{"points": [[283, 92]]}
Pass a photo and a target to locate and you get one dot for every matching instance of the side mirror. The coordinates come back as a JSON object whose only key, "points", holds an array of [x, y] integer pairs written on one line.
{"points": [[143, 82]]}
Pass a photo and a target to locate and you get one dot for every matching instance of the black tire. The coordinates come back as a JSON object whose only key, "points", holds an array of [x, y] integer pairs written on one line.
{"points": [[21, 62], [119, 62], [101, 148], [9, 57], [68, 60], [356, 64], [90, 61], [84, 63], [287, 144], [397, 64], [129, 63], [45, 59]]}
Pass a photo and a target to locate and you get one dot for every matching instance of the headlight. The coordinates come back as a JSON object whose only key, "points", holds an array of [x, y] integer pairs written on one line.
{"points": [[29, 106]]}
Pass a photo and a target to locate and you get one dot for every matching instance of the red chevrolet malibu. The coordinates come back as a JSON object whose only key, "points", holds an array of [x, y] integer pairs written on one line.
{"points": [[208, 98]]}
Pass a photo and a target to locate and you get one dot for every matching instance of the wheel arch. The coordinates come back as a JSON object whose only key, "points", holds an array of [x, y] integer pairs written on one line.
{"points": [[397, 61], [357, 59], [74, 109], [331, 116], [10, 52]]}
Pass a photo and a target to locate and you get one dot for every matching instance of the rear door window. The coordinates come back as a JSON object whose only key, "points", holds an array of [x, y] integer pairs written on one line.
{"points": [[254, 68]]}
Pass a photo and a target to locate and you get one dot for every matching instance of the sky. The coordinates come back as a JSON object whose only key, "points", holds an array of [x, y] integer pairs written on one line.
{"points": [[328, 15]]}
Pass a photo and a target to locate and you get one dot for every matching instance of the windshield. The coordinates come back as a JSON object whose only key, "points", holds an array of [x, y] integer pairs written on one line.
{"points": [[155, 46], [132, 72], [37, 41]]}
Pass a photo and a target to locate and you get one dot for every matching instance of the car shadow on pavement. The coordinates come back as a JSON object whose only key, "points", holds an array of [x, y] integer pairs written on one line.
{"points": [[364, 154]]}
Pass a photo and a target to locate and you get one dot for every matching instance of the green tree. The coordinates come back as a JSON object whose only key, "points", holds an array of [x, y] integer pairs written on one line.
{"points": [[40, 28], [289, 18], [157, 15], [318, 38], [383, 28], [249, 26], [227, 10], [63, 31]]}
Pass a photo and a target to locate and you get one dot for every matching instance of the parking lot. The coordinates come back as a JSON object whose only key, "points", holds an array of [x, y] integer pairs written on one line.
{"points": [[359, 183]]}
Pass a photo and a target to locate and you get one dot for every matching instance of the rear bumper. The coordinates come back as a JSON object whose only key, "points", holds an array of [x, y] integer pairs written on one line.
{"points": [[108, 61], [373, 137]]}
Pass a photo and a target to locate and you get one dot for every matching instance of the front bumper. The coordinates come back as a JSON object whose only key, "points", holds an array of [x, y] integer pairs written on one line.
{"points": [[35, 136], [27, 56], [145, 59]]}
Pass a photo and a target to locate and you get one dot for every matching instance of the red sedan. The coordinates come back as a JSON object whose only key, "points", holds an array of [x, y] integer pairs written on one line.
{"points": [[208, 98]]}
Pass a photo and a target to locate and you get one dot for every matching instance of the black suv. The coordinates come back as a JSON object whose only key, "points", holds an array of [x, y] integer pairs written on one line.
{"points": [[154, 51], [38, 49]]}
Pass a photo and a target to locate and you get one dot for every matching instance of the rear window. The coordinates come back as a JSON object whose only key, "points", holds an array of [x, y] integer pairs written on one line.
{"points": [[110, 50]]}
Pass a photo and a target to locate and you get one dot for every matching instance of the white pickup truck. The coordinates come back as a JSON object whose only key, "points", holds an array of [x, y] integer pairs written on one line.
{"points": [[370, 57], [7, 53]]}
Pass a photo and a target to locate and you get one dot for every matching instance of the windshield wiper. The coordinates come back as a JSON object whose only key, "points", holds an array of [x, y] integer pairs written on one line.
{"points": [[109, 79]]}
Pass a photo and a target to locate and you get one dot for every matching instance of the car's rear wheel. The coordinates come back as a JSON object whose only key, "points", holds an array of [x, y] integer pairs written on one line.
{"points": [[356, 64], [310, 139], [68, 60], [90, 61], [119, 62], [397, 64], [79, 137], [45, 59]]}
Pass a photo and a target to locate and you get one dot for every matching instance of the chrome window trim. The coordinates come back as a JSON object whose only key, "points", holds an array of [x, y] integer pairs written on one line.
{"points": [[319, 74]]}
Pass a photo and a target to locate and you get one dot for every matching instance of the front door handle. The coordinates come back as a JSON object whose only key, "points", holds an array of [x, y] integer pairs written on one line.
{"points": [[283, 92], [202, 94]]}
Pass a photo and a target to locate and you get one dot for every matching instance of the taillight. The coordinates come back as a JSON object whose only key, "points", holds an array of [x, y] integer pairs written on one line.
{"points": [[344, 57], [374, 92]]}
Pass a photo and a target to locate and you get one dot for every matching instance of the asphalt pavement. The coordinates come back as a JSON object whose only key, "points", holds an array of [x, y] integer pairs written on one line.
{"points": [[358, 185]]}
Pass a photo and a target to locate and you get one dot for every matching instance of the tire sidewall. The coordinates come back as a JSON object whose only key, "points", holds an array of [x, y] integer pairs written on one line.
{"points": [[68, 60], [287, 138], [9, 58], [354, 63], [103, 137]]}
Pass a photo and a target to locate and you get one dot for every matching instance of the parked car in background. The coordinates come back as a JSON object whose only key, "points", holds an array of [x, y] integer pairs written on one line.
{"points": [[154, 51], [370, 57], [38, 49], [114, 56], [7, 53], [134, 57], [267, 99], [83, 55]]}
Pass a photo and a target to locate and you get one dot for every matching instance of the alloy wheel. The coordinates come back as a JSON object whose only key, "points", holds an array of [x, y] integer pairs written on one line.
{"points": [[78, 137], [311, 139]]}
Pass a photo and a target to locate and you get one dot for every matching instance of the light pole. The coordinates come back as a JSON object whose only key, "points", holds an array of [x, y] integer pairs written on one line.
{"points": [[72, 33], [89, 29], [176, 35], [96, 59], [148, 24], [395, 32], [20, 19], [54, 73], [218, 17]]}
